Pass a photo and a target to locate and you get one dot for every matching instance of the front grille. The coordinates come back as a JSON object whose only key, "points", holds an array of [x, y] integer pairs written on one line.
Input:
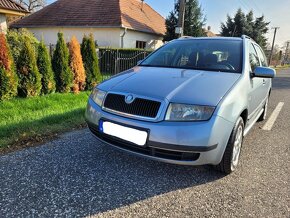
{"points": [[149, 151], [139, 107]]}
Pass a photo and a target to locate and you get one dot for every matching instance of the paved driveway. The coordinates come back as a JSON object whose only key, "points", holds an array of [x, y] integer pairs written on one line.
{"points": [[76, 176]]}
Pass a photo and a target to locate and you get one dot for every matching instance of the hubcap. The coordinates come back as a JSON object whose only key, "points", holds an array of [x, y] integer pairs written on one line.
{"points": [[237, 148]]}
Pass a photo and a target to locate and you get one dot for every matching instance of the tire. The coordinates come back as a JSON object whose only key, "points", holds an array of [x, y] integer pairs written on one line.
{"points": [[230, 159], [264, 114]]}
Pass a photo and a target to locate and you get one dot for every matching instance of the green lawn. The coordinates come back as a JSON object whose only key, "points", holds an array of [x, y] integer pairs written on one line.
{"points": [[282, 67], [21, 119]]}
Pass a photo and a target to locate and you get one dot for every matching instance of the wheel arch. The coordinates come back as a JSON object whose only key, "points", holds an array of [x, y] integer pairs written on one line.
{"points": [[244, 116]]}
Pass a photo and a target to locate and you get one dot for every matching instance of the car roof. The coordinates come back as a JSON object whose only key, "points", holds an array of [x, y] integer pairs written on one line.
{"points": [[210, 38]]}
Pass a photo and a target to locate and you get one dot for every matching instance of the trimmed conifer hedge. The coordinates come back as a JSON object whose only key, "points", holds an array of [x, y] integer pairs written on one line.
{"points": [[71, 68], [77, 66], [45, 69], [16, 39], [60, 63], [91, 62], [29, 76], [8, 77]]}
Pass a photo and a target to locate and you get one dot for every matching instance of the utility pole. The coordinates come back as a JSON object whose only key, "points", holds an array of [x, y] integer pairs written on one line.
{"points": [[286, 52], [180, 27], [271, 55]]}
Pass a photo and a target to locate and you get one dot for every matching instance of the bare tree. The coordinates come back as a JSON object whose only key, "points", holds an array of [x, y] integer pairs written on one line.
{"points": [[32, 5]]}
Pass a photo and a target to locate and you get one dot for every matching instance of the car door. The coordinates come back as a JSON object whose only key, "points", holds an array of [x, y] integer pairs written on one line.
{"points": [[256, 93], [266, 81]]}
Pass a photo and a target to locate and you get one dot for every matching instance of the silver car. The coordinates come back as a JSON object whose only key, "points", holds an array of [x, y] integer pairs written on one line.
{"points": [[191, 102]]}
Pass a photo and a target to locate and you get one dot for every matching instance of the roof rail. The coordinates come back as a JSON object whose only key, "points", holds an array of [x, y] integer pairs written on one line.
{"points": [[186, 37], [246, 37]]}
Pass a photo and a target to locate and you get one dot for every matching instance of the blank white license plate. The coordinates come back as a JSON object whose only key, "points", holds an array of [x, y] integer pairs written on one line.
{"points": [[135, 136]]}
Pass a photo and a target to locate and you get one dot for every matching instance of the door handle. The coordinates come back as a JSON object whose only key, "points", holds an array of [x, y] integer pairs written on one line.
{"points": [[264, 82]]}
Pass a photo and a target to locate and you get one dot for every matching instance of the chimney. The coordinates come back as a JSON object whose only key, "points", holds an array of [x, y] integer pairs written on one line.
{"points": [[208, 28]]}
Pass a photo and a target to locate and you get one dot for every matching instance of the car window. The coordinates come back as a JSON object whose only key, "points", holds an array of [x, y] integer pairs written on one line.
{"points": [[254, 60], [262, 56], [203, 54]]}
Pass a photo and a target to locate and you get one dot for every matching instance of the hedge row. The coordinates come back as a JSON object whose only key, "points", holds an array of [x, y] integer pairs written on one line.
{"points": [[27, 70]]}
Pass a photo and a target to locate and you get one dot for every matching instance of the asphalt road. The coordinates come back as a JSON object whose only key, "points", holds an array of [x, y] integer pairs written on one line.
{"points": [[76, 176]]}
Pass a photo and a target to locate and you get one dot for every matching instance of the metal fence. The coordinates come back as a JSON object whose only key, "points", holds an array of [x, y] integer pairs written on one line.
{"points": [[113, 61]]}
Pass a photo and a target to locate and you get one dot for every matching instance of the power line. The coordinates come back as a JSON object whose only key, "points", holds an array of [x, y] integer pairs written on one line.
{"points": [[248, 6], [253, 6], [257, 7], [243, 5]]}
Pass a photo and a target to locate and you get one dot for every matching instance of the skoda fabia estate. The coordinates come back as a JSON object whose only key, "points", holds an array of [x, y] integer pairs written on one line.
{"points": [[191, 102]]}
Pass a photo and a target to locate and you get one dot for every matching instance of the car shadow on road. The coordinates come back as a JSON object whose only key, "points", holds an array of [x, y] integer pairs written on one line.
{"points": [[78, 176]]}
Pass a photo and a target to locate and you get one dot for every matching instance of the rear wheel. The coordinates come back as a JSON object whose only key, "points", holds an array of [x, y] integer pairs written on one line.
{"points": [[231, 156]]}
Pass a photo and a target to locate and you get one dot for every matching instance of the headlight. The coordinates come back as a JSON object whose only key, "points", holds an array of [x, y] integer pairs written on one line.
{"points": [[183, 112], [98, 96]]}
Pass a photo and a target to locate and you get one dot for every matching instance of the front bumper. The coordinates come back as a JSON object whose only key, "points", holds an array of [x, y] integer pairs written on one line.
{"points": [[186, 143]]}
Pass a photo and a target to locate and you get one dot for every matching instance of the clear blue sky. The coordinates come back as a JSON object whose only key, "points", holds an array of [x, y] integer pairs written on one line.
{"points": [[277, 12]]}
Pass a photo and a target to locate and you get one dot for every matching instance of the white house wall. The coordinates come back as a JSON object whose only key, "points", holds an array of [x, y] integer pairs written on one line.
{"points": [[152, 41], [3, 24], [106, 37]]}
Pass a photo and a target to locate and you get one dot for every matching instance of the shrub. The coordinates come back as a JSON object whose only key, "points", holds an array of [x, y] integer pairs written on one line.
{"points": [[16, 39], [29, 76], [91, 62], [60, 64], [8, 77], [45, 69], [77, 66]]}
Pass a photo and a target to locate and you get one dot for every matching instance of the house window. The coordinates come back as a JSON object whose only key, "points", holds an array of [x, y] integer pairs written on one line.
{"points": [[140, 44]]}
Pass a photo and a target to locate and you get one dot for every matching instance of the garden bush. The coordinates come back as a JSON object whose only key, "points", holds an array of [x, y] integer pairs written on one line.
{"points": [[77, 66], [60, 64], [8, 77], [45, 69], [29, 76], [91, 62], [16, 39]]}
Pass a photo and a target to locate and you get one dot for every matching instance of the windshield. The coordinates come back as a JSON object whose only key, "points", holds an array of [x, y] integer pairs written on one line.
{"points": [[202, 54]]}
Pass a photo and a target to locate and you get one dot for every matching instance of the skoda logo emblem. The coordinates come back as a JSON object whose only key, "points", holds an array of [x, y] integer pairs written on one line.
{"points": [[129, 99]]}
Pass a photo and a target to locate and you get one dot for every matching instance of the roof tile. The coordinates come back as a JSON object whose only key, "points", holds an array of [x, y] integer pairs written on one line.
{"points": [[132, 14], [12, 5]]}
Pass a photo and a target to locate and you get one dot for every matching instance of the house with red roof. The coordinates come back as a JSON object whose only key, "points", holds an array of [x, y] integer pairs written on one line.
{"points": [[9, 11], [114, 23]]}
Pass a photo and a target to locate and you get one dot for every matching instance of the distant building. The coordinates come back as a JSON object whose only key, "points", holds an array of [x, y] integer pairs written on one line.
{"points": [[209, 33], [114, 23], [10, 11]]}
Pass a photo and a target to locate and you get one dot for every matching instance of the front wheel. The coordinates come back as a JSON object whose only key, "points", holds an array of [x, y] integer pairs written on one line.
{"points": [[264, 114], [231, 156]]}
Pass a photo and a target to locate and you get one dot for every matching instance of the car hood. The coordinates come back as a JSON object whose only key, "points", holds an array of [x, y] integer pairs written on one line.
{"points": [[176, 85]]}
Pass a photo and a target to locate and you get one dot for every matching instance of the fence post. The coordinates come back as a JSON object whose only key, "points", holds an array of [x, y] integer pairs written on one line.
{"points": [[117, 62]]}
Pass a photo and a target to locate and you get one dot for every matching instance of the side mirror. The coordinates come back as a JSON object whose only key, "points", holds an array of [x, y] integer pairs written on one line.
{"points": [[139, 62], [264, 72]]}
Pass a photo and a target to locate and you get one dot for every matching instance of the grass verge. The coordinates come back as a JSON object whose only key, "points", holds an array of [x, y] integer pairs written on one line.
{"points": [[24, 122], [282, 67]]}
